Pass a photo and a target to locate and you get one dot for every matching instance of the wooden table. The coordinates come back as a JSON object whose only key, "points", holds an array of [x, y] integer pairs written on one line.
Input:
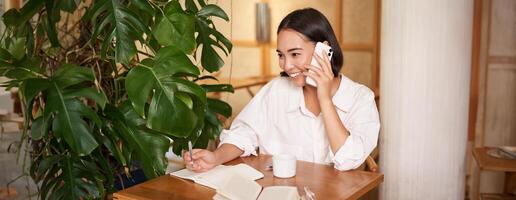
{"points": [[325, 181], [487, 162]]}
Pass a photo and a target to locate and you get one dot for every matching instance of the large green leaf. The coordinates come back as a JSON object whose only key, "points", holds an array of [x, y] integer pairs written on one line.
{"points": [[61, 100], [149, 148], [210, 59], [119, 25], [170, 115], [155, 75], [176, 28], [68, 123]]}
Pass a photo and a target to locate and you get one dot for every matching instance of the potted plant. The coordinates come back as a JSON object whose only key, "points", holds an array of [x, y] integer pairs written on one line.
{"points": [[104, 83]]}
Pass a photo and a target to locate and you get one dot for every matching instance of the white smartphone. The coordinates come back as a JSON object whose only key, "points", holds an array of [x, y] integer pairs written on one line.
{"points": [[319, 48]]}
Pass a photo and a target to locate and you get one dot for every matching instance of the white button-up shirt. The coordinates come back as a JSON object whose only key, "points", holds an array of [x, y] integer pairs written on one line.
{"points": [[277, 121]]}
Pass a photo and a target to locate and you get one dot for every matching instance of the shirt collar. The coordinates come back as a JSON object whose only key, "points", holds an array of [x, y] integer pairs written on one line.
{"points": [[343, 98]]}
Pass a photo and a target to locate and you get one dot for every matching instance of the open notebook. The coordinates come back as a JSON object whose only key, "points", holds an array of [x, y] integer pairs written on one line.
{"points": [[238, 187], [217, 176]]}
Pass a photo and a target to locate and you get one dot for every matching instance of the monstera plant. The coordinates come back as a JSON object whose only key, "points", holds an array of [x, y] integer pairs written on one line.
{"points": [[105, 83]]}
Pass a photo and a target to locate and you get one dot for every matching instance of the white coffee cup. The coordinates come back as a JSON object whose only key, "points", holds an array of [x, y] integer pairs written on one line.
{"points": [[284, 165]]}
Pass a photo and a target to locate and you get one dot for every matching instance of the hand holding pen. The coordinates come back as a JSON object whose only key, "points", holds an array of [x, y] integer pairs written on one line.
{"points": [[199, 160]]}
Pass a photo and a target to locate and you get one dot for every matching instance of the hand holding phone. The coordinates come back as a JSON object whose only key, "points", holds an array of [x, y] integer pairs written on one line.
{"points": [[319, 49]]}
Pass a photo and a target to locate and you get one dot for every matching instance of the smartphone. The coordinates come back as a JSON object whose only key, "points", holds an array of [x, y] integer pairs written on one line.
{"points": [[319, 49]]}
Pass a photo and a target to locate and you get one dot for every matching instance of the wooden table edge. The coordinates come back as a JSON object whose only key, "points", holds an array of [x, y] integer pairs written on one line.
{"points": [[369, 186], [482, 165]]}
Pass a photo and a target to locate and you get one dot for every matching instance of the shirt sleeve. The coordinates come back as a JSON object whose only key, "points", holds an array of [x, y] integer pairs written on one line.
{"points": [[251, 121], [363, 126]]}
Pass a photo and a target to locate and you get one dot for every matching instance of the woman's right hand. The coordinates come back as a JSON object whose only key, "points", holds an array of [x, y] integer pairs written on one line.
{"points": [[203, 160]]}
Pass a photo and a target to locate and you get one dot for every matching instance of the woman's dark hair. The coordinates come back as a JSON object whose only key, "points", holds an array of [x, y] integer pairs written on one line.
{"points": [[314, 25]]}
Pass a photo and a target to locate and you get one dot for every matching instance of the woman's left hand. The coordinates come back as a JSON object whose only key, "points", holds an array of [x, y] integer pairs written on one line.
{"points": [[323, 76]]}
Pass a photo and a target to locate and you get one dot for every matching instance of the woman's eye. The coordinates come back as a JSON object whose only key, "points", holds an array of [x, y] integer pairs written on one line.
{"points": [[280, 56], [295, 54]]}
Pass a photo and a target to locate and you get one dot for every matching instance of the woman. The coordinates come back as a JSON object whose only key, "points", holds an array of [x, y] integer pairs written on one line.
{"points": [[335, 122]]}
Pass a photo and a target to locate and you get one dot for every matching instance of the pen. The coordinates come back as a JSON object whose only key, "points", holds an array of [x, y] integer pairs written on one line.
{"points": [[190, 151]]}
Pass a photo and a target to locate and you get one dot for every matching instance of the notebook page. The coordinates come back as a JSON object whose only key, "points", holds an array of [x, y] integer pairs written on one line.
{"points": [[247, 171], [199, 177], [238, 187], [279, 192]]}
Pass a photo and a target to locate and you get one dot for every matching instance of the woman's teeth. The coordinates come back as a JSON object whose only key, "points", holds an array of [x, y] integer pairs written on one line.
{"points": [[295, 74]]}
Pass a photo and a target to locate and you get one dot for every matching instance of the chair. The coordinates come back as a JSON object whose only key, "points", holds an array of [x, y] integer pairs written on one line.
{"points": [[370, 163]]}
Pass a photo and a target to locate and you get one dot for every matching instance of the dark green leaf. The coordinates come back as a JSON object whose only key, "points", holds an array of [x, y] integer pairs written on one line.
{"points": [[133, 119], [31, 87], [53, 16], [17, 48], [91, 93], [83, 110], [176, 29], [15, 18], [120, 25], [5, 55], [190, 5], [218, 88], [143, 5], [69, 74], [213, 10], [220, 107], [189, 87], [139, 83], [48, 162], [202, 3], [39, 128], [223, 39], [68, 5], [68, 123], [210, 60], [170, 60], [206, 77], [170, 115], [149, 148], [11, 17]]}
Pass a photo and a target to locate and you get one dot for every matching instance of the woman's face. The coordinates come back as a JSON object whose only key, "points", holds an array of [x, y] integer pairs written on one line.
{"points": [[294, 52]]}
